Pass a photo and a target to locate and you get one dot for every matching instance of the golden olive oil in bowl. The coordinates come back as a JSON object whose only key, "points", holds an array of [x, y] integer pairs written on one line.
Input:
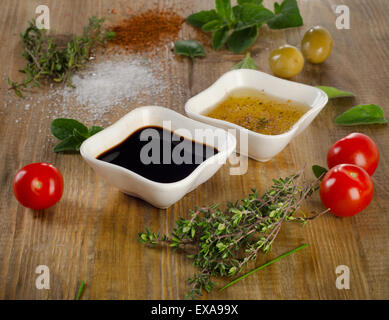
{"points": [[259, 112]]}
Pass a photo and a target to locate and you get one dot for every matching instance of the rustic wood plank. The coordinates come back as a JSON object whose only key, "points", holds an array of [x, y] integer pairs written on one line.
{"points": [[91, 234]]}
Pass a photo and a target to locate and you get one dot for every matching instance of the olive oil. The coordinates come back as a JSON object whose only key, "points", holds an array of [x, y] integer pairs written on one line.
{"points": [[165, 167], [259, 112]]}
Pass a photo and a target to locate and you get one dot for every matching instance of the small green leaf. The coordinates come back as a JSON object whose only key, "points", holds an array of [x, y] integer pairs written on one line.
{"points": [[190, 48], [62, 128], [221, 227], [236, 12], [232, 271], [240, 40], [94, 129], [257, 2], [200, 18], [213, 25], [223, 9], [335, 93], [287, 15], [246, 63], [143, 237], [277, 8], [362, 114], [251, 15], [80, 136], [219, 38], [319, 171], [18, 93], [69, 144]]}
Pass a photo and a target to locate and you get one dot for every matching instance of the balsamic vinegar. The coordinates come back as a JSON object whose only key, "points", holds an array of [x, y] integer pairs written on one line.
{"points": [[169, 146]]}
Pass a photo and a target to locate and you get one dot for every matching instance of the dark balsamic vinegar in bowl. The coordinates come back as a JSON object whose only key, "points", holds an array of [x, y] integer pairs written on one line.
{"points": [[158, 154]]}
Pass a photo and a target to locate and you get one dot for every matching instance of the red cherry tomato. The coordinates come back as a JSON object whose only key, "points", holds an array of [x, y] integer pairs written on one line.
{"points": [[38, 185], [355, 148], [346, 190]]}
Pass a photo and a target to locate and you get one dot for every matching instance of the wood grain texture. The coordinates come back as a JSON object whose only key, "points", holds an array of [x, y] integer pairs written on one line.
{"points": [[91, 234]]}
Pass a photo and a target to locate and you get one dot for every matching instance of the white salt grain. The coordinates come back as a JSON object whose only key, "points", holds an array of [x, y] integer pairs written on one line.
{"points": [[111, 83]]}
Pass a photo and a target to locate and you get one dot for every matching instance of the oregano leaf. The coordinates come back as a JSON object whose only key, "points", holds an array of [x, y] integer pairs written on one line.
{"points": [[241, 40], [219, 38], [246, 63]]}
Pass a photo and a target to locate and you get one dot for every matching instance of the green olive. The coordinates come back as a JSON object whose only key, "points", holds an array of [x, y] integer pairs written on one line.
{"points": [[317, 44], [286, 61]]}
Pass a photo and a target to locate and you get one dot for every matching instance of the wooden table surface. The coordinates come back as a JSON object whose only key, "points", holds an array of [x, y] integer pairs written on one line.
{"points": [[91, 234]]}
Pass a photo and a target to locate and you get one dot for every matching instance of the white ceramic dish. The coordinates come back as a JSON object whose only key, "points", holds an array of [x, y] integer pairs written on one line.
{"points": [[161, 195], [260, 147]]}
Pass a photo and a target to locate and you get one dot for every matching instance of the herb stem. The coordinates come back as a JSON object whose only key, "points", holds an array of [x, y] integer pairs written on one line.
{"points": [[263, 266], [80, 290]]}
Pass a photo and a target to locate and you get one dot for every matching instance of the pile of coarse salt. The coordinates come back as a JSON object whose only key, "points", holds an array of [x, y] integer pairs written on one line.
{"points": [[112, 83]]}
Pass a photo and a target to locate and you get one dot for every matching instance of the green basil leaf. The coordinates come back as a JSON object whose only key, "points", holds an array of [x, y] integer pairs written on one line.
{"points": [[69, 144], [94, 129], [257, 2], [223, 9], [219, 38], [200, 18], [319, 171], [80, 136], [246, 63], [190, 48], [362, 114], [213, 25], [63, 128], [335, 93], [240, 40], [251, 15], [236, 12], [287, 15], [277, 8]]}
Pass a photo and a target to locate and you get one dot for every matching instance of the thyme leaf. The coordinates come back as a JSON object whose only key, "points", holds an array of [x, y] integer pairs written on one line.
{"points": [[221, 242], [46, 60]]}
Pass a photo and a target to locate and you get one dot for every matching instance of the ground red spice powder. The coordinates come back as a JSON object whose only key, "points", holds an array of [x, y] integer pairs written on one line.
{"points": [[146, 31]]}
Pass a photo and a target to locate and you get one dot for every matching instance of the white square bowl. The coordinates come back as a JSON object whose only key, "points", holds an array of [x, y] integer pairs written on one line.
{"points": [[161, 195], [260, 147]]}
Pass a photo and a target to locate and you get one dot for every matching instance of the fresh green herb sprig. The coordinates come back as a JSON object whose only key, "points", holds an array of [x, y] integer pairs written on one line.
{"points": [[45, 60], [221, 242], [71, 133], [238, 26]]}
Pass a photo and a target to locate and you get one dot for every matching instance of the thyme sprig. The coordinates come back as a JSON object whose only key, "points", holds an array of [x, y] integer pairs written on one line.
{"points": [[46, 60], [221, 242]]}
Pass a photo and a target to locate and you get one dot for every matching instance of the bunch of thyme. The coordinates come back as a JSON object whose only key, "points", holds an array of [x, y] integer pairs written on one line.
{"points": [[222, 242], [45, 59]]}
